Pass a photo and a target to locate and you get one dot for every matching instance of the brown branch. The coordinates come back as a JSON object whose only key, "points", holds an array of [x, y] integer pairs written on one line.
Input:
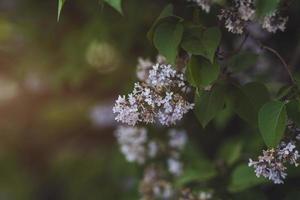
{"points": [[286, 66], [284, 63]]}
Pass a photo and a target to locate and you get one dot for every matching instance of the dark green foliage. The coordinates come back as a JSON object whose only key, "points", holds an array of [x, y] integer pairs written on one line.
{"points": [[272, 122]]}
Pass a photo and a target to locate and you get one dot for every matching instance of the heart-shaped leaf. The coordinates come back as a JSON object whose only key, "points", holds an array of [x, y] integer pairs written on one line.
{"points": [[202, 42], [167, 37], [201, 72], [209, 103], [272, 122]]}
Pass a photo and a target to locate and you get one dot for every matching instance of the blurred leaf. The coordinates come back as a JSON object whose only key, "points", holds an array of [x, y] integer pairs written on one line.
{"points": [[201, 171], [230, 151], [242, 105], [242, 61], [248, 99], [209, 103], [250, 195], [223, 118], [293, 111], [284, 91], [243, 177], [265, 7], [16, 183], [204, 43], [167, 37], [166, 12], [60, 6], [272, 121], [201, 72], [116, 4], [257, 93]]}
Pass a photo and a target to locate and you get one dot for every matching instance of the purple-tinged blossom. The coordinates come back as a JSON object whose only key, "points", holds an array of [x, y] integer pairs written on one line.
{"points": [[271, 164]]}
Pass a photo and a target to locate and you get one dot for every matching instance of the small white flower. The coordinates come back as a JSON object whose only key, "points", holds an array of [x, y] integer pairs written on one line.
{"points": [[175, 166], [132, 143], [236, 17], [204, 195], [152, 149], [155, 99], [274, 22], [271, 164], [204, 4], [178, 139]]}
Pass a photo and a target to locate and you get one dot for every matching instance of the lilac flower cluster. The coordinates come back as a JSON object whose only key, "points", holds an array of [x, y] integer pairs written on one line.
{"points": [[154, 186], [235, 17], [177, 142], [242, 12], [204, 4], [145, 65], [134, 144], [159, 97], [274, 22], [187, 194], [272, 164]]}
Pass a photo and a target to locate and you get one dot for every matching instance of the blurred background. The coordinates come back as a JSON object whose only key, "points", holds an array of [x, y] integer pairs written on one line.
{"points": [[58, 83]]}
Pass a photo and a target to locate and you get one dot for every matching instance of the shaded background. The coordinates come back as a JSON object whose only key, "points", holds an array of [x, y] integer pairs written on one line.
{"points": [[58, 81]]}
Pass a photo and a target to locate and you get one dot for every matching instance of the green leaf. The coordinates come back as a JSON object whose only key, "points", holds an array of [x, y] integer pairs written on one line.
{"points": [[272, 121], [166, 12], [242, 105], [284, 91], [257, 93], [116, 4], [60, 6], [202, 42], [243, 177], [248, 99], [230, 151], [201, 72], [242, 61], [167, 37], [265, 7], [209, 103], [293, 111], [202, 171]]}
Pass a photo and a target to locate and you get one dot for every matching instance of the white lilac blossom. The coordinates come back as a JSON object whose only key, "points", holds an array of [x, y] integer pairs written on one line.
{"points": [[245, 9], [145, 65], [165, 76], [204, 195], [274, 22], [178, 138], [142, 69], [236, 17], [153, 186], [272, 163], [177, 141], [204, 4], [152, 149], [159, 98], [132, 142], [232, 21], [187, 194], [175, 166]]}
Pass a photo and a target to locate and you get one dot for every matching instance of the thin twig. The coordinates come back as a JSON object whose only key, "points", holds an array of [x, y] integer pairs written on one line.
{"points": [[284, 63], [286, 66]]}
